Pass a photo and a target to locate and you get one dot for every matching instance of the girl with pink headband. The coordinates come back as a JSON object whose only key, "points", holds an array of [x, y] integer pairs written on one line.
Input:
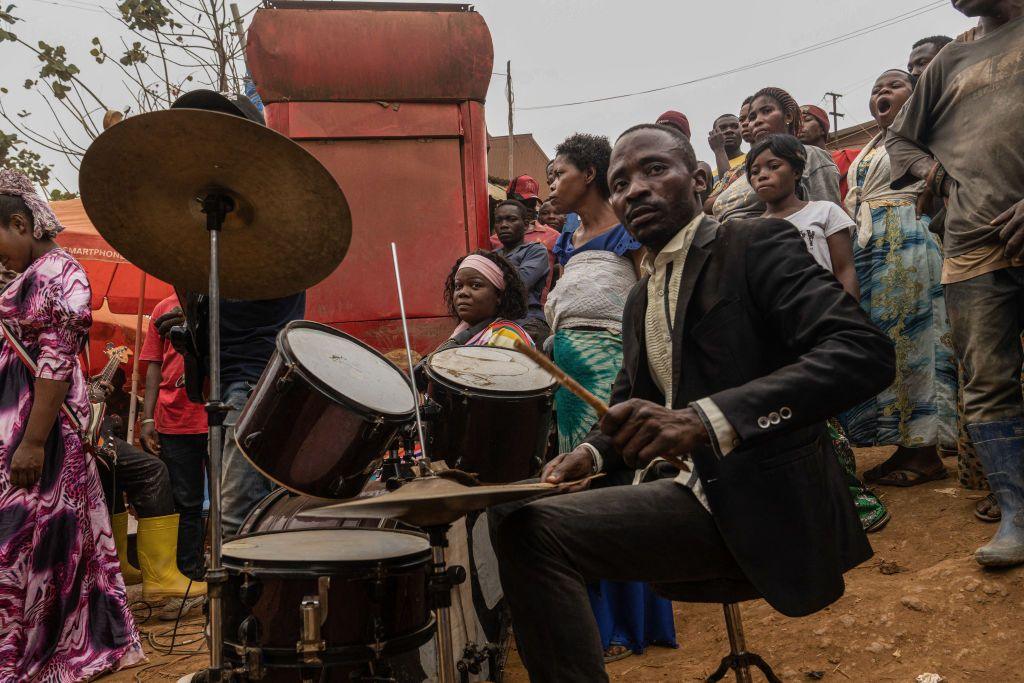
{"points": [[485, 293]]}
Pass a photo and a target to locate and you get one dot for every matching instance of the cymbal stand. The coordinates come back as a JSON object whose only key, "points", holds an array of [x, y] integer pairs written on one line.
{"points": [[440, 583], [216, 207]]}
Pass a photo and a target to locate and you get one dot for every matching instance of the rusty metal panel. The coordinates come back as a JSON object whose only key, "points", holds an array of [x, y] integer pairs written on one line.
{"points": [[386, 335], [329, 120], [367, 55], [406, 191]]}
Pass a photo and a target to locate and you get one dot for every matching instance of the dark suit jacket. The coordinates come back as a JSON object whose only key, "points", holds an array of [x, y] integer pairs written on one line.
{"points": [[774, 341]]}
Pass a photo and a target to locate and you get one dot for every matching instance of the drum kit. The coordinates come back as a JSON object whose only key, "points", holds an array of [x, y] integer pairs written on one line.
{"points": [[314, 588]]}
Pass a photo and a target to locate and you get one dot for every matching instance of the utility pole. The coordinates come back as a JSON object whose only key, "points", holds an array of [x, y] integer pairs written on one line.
{"points": [[510, 98], [239, 30], [835, 113]]}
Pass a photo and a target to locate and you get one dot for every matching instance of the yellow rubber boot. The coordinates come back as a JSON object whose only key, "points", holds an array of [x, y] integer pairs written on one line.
{"points": [[119, 524], [158, 551]]}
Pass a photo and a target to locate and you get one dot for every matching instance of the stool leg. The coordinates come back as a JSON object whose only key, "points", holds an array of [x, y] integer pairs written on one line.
{"points": [[737, 642]]}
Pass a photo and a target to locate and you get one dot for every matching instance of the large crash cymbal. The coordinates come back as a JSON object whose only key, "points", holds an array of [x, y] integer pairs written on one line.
{"points": [[143, 179], [430, 501]]}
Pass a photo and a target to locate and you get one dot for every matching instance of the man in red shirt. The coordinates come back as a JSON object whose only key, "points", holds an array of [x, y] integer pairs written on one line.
{"points": [[814, 131], [175, 429]]}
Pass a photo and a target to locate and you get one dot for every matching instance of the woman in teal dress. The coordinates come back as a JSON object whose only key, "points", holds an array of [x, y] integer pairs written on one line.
{"points": [[600, 261], [899, 267]]}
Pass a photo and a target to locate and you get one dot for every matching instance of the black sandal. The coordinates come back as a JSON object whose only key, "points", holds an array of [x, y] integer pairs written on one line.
{"points": [[905, 477], [987, 509]]}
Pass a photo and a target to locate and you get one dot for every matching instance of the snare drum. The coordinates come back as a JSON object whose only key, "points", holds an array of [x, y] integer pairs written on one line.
{"points": [[323, 412], [325, 597], [495, 411]]}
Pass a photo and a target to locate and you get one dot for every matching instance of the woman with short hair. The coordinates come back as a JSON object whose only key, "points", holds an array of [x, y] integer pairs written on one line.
{"points": [[601, 261]]}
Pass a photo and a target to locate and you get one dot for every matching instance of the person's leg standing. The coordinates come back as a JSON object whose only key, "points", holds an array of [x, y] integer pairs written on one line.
{"points": [[185, 457], [144, 479], [987, 316], [550, 548], [241, 485]]}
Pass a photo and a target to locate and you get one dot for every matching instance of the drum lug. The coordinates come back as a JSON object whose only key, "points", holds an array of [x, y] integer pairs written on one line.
{"points": [[285, 381], [374, 428], [377, 591], [253, 657], [310, 646], [249, 635]]}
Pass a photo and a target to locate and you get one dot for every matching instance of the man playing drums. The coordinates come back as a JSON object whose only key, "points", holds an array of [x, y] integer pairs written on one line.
{"points": [[736, 349]]}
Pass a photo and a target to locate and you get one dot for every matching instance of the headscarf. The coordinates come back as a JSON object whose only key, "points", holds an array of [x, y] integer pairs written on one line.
{"points": [[786, 103], [819, 115], [44, 223], [487, 268], [490, 270]]}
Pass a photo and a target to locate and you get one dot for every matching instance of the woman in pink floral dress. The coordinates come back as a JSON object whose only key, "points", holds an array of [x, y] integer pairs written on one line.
{"points": [[63, 609]]}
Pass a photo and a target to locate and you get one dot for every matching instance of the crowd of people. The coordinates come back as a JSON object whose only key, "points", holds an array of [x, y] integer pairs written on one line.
{"points": [[789, 303]]}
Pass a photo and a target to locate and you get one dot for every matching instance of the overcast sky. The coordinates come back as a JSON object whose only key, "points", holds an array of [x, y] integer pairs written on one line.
{"points": [[569, 50]]}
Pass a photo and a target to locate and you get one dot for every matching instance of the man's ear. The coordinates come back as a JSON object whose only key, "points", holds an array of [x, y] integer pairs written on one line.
{"points": [[700, 179]]}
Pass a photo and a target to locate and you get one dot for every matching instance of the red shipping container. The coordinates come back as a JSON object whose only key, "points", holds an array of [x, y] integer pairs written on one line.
{"points": [[390, 100]]}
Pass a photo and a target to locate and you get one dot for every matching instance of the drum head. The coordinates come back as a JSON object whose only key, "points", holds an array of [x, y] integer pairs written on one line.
{"points": [[349, 369], [490, 369], [325, 547]]}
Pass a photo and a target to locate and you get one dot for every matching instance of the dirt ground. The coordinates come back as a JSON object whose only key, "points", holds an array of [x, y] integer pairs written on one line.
{"points": [[921, 605]]}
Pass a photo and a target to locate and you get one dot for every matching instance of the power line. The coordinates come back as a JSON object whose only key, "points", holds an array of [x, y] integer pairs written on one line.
{"points": [[885, 23]]}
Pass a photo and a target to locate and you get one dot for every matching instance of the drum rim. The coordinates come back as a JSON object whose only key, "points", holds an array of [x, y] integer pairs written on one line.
{"points": [[285, 350], [275, 495], [300, 568], [241, 449], [435, 376]]}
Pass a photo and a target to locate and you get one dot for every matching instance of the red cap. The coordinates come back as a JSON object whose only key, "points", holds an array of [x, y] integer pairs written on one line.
{"points": [[677, 119], [525, 187], [818, 113]]}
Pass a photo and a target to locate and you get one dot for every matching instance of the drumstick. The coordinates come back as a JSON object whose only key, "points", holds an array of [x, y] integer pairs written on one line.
{"points": [[573, 386], [562, 378]]}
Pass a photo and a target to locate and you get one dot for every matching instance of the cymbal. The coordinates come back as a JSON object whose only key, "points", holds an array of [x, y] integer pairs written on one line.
{"points": [[430, 501], [142, 182]]}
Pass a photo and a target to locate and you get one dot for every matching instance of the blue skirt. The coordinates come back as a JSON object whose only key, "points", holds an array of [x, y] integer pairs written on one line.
{"points": [[631, 614]]}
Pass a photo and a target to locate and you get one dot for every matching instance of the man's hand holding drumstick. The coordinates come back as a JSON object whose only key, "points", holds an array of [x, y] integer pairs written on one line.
{"points": [[640, 430]]}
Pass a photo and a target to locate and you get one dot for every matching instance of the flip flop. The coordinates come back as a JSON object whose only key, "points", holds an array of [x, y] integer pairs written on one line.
{"points": [[609, 658], [987, 509], [877, 524], [877, 472], [905, 477]]}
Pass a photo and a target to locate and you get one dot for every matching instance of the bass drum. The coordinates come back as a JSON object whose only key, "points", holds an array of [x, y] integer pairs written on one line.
{"points": [[323, 413], [496, 409], [279, 512]]}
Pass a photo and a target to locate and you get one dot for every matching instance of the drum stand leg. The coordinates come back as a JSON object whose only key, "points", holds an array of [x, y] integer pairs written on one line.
{"points": [[440, 583], [216, 207]]}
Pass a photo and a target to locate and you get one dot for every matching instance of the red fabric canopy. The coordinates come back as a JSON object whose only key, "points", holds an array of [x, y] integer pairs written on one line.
{"points": [[110, 275]]}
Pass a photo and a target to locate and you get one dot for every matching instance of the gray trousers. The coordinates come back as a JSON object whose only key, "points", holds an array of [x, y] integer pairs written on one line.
{"points": [[241, 485], [548, 549], [986, 314]]}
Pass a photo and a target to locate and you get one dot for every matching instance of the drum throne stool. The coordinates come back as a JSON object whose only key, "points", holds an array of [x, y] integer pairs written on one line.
{"points": [[730, 593]]}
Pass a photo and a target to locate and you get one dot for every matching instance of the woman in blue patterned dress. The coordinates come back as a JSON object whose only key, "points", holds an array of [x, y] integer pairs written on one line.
{"points": [[899, 266]]}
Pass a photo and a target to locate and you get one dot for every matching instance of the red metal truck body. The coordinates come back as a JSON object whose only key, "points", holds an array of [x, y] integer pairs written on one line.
{"points": [[390, 100]]}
